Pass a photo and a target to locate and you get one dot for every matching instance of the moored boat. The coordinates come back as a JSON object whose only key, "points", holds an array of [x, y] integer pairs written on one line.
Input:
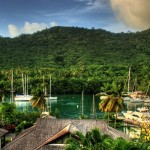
{"points": [[147, 100], [137, 100], [143, 109], [136, 116], [51, 97], [23, 97]]}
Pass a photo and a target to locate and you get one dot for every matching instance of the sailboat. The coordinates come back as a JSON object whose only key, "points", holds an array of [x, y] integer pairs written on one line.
{"points": [[82, 116], [93, 115], [25, 96], [12, 88], [50, 90], [134, 96], [125, 95]]}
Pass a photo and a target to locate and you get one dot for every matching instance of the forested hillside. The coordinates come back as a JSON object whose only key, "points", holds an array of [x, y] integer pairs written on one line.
{"points": [[77, 58], [65, 46]]}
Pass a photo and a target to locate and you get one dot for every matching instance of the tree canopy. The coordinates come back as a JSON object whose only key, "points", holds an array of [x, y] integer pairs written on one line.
{"points": [[79, 59]]}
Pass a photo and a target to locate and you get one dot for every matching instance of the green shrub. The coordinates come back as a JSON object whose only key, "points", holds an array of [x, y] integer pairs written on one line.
{"points": [[23, 125]]}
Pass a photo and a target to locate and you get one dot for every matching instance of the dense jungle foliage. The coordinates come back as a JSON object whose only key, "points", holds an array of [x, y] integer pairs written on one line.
{"points": [[77, 58]]}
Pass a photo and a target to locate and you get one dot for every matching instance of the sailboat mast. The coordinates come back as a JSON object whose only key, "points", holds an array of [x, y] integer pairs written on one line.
{"points": [[50, 87], [129, 79], [82, 103], [12, 87], [135, 85], [27, 85], [147, 89], [43, 85], [23, 85], [93, 105]]}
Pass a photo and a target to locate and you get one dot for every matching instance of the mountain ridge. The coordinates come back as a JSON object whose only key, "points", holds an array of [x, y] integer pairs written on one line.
{"points": [[66, 46]]}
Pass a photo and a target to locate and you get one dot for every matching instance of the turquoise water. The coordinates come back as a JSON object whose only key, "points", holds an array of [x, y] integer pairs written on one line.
{"points": [[69, 106]]}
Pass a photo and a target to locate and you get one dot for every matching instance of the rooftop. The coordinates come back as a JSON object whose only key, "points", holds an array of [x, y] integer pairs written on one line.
{"points": [[46, 130]]}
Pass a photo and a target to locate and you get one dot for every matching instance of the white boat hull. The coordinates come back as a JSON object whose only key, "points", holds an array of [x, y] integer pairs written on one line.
{"points": [[23, 97], [147, 100], [52, 98], [137, 100], [138, 116]]}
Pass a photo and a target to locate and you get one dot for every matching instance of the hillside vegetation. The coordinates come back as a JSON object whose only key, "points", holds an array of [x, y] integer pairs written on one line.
{"points": [[65, 46], [77, 58]]}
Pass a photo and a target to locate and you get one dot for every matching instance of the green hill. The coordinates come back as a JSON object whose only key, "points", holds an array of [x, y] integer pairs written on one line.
{"points": [[65, 46], [77, 58]]}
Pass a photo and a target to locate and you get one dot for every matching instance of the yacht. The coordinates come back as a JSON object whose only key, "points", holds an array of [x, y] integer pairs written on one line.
{"points": [[143, 109], [147, 100], [137, 100], [136, 116], [51, 97], [25, 96]]}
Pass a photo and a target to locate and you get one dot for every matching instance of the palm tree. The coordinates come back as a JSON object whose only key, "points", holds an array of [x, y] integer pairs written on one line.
{"points": [[93, 140], [113, 103], [118, 105], [39, 101], [119, 144], [75, 141], [103, 105]]}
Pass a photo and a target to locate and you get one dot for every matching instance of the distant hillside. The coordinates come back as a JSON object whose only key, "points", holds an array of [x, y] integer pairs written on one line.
{"points": [[67, 46], [78, 59]]}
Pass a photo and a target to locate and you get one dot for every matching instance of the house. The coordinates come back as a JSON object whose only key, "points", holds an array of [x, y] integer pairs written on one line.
{"points": [[50, 133], [3, 133]]}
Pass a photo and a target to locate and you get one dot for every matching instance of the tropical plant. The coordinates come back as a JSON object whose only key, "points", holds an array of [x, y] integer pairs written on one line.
{"points": [[7, 113], [145, 145], [122, 144], [103, 105], [23, 125], [39, 101], [83, 116], [75, 141], [112, 103], [93, 140]]}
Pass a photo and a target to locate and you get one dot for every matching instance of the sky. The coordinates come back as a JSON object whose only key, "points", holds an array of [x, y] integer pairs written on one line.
{"points": [[29, 16]]}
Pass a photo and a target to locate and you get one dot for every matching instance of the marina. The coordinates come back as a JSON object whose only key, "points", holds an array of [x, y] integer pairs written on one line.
{"points": [[72, 105], [69, 106]]}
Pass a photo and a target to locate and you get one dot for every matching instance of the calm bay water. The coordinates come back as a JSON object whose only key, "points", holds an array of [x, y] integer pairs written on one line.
{"points": [[70, 106]]}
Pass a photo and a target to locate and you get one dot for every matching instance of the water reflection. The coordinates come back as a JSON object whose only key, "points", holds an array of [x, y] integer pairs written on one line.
{"points": [[23, 106], [70, 106]]}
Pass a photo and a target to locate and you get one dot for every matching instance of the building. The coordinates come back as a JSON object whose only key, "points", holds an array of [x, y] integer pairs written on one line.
{"points": [[3, 133], [50, 133]]}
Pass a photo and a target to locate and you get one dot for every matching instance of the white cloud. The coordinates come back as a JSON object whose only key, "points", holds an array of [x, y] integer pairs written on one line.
{"points": [[118, 27], [53, 24], [13, 30], [33, 27], [28, 28], [92, 5]]}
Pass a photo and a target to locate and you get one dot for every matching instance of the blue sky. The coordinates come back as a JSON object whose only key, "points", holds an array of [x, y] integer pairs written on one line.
{"points": [[29, 16]]}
